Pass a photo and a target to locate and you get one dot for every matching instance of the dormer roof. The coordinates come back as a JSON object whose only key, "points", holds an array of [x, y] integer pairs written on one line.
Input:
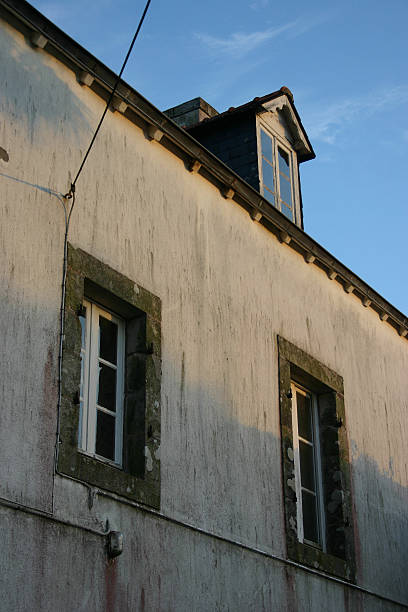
{"points": [[280, 100]]}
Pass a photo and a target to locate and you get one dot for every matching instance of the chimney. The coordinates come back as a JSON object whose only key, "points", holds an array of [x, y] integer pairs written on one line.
{"points": [[191, 113]]}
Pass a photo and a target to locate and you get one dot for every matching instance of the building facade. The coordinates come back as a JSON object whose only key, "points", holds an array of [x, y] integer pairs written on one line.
{"points": [[226, 427]]}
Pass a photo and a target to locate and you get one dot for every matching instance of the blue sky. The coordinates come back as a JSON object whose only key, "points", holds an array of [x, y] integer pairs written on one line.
{"points": [[346, 64]]}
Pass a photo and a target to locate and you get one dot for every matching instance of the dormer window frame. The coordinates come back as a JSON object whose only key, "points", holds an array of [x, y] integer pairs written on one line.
{"points": [[275, 197]]}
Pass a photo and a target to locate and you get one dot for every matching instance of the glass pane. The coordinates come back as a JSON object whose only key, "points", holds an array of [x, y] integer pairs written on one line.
{"points": [[285, 190], [267, 175], [82, 319], [304, 415], [269, 196], [284, 162], [107, 387], [310, 523], [288, 212], [307, 466], [108, 339], [105, 435], [266, 144]]}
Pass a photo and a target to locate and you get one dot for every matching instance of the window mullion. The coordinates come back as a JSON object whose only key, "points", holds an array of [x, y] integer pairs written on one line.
{"points": [[276, 173], [293, 184]]}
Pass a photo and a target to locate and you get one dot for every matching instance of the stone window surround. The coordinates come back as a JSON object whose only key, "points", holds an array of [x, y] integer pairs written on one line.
{"points": [[139, 480], [297, 366]]}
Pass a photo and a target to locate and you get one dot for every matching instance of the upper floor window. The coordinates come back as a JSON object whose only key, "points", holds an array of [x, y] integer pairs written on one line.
{"points": [[276, 174], [102, 383]]}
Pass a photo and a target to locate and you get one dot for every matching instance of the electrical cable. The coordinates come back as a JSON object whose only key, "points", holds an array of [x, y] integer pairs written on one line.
{"points": [[68, 196], [68, 213], [62, 324], [72, 189]]}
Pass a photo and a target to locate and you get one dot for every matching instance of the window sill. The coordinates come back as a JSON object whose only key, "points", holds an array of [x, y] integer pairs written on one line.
{"points": [[109, 476], [112, 464], [317, 559]]}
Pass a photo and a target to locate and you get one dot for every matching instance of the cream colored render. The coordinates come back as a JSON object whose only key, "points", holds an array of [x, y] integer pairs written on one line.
{"points": [[228, 288]]}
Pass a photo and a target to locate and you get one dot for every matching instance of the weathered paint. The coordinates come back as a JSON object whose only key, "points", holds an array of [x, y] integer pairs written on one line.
{"points": [[228, 288]]}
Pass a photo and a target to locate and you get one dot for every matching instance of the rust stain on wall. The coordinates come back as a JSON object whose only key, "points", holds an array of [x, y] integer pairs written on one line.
{"points": [[110, 585], [290, 590]]}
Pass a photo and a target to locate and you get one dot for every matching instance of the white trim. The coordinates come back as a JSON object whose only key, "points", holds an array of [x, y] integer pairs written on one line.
{"points": [[315, 443], [84, 400], [278, 141], [88, 406], [296, 459], [282, 104]]}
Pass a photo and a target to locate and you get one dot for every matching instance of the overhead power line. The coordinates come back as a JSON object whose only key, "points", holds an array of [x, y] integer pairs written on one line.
{"points": [[72, 189]]}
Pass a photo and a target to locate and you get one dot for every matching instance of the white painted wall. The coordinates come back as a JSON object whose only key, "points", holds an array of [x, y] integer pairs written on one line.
{"points": [[228, 287]]}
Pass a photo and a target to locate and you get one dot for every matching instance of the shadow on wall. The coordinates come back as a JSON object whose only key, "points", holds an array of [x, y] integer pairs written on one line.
{"points": [[169, 557], [381, 522], [225, 476]]}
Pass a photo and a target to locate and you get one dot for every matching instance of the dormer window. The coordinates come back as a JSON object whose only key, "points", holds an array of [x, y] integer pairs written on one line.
{"points": [[276, 173], [262, 141]]}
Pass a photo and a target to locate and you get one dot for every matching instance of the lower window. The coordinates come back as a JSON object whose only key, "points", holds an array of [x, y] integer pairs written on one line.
{"points": [[110, 409], [316, 469]]}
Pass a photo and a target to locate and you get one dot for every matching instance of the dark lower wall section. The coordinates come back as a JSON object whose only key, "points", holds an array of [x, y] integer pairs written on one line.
{"points": [[45, 567]]}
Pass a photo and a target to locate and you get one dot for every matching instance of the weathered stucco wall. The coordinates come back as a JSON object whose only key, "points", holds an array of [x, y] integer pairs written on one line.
{"points": [[228, 288]]}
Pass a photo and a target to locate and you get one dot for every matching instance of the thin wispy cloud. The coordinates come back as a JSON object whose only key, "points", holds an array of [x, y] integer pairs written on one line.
{"points": [[259, 5], [239, 44], [325, 124]]}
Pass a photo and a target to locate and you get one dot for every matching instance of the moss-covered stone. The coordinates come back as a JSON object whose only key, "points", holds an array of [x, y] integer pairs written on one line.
{"points": [[139, 479], [339, 558]]}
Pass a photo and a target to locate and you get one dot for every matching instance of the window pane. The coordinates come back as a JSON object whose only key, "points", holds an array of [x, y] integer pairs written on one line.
{"points": [[266, 144], [108, 339], [285, 190], [304, 414], [284, 163], [269, 196], [107, 387], [310, 523], [267, 175], [105, 435], [288, 212], [307, 466]]}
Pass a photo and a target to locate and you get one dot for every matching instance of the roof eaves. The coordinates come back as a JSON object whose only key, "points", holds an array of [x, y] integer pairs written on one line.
{"points": [[179, 142]]}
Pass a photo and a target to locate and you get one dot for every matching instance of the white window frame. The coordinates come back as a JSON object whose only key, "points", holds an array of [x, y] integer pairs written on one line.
{"points": [[90, 360], [321, 519], [277, 141]]}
